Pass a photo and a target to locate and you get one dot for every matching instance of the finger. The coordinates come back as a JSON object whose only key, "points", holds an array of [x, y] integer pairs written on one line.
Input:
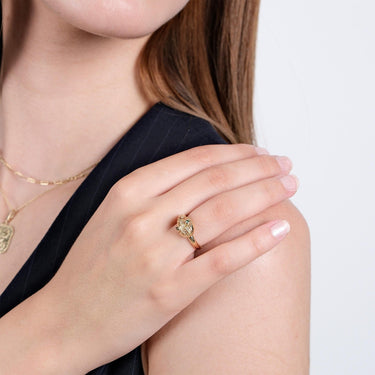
{"points": [[227, 209], [221, 212], [158, 177], [198, 274], [219, 178]]}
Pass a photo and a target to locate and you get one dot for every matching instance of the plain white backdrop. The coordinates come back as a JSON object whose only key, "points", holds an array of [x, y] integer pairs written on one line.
{"points": [[315, 102]]}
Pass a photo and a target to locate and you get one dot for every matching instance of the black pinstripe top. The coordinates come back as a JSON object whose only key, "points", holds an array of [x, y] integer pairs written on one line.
{"points": [[160, 132]]}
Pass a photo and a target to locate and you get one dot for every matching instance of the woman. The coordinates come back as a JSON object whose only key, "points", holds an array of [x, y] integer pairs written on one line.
{"points": [[153, 90]]}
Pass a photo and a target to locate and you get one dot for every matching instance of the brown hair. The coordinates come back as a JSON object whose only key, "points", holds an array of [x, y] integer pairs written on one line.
{"points": [[202, 62]]}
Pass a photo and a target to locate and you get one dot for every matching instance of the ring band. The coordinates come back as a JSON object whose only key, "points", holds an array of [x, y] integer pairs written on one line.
{"points": [[185, 228]]}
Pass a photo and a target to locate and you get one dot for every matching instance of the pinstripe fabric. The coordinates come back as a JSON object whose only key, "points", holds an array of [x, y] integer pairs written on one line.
{"points": [[160, 132]]}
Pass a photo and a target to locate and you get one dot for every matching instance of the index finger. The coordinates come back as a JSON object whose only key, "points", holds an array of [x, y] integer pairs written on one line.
{"points": [[159, 177]]}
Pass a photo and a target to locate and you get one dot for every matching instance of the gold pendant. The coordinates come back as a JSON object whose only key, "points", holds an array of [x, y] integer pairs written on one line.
{"points": [[6, 234]]}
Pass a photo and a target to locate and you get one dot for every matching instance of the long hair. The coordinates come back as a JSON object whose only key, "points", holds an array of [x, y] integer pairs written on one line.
{"points": [[202, 62]]}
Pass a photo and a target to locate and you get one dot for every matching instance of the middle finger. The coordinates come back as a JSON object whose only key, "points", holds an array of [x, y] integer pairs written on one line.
{"points": [[219, 178]]}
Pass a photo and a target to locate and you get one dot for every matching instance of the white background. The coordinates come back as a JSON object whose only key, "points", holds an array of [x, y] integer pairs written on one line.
{"points": [[315, 102]]}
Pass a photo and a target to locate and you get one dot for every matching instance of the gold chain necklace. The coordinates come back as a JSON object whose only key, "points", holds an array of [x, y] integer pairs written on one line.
{"points": [[34, 180], [6, 230]]}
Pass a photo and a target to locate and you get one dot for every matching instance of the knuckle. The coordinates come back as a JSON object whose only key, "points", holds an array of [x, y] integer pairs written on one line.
{"points": [[268, 164], [218, 176], [221, 263], [222, 207], [136, 227], [245, 149], [201, 154], [162, 296], [123, 191], [256, 245], [271, 191], [150, 263]]}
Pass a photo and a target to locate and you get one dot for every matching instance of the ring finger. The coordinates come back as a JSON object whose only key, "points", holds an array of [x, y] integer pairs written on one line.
{"points": [[224, 210]]}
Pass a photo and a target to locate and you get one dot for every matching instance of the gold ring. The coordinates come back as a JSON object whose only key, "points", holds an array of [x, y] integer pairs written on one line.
{"points": [[185, 228]]}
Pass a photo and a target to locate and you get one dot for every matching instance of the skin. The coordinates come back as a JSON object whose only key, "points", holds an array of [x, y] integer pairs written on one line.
{"points": [[117, 18], [86, 315], [71, 85], [232, 273]]}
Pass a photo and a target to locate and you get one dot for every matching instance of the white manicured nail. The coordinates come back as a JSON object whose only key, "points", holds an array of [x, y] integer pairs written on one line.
{"points": [[280, 229]]}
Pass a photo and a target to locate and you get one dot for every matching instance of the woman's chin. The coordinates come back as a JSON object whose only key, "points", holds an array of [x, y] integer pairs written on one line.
{"points": [[116, 18]]}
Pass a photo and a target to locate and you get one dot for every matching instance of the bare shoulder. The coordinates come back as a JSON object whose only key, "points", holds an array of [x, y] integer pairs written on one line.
{"points": [[254, 321]]}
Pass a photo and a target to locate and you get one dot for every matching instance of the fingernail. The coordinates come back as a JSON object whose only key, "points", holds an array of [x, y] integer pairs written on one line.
{"points": [[261, 151], [285, 163], [290, 182], [280, 229]]}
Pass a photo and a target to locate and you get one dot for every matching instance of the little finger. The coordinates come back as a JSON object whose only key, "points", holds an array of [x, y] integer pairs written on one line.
{"points": [[198, 274]]}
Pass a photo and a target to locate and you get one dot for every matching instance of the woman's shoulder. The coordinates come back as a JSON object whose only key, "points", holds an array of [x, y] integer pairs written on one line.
{"points": [[261, 310], [255, 320], [161, 132], [189, 128]]}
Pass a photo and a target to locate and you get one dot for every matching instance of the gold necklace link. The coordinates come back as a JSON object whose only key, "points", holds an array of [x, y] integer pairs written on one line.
{"points": [[7, 231], [34, 180]]}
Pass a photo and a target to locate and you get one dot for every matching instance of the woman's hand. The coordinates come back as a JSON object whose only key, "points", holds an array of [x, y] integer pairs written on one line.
{"points": [[130, 272]]}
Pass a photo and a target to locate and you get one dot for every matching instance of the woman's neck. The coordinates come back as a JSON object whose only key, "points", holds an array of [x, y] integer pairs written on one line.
{"points": [[66, 95]]}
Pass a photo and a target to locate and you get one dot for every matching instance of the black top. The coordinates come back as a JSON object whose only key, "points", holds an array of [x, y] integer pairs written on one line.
{"points": [[162, 131]]}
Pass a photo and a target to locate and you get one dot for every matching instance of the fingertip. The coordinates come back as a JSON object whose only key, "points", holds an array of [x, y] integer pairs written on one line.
{"points": [[280, 229]]}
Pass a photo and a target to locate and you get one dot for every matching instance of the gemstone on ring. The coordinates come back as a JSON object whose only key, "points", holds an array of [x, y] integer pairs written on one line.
{"points": [[185, 226]]}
